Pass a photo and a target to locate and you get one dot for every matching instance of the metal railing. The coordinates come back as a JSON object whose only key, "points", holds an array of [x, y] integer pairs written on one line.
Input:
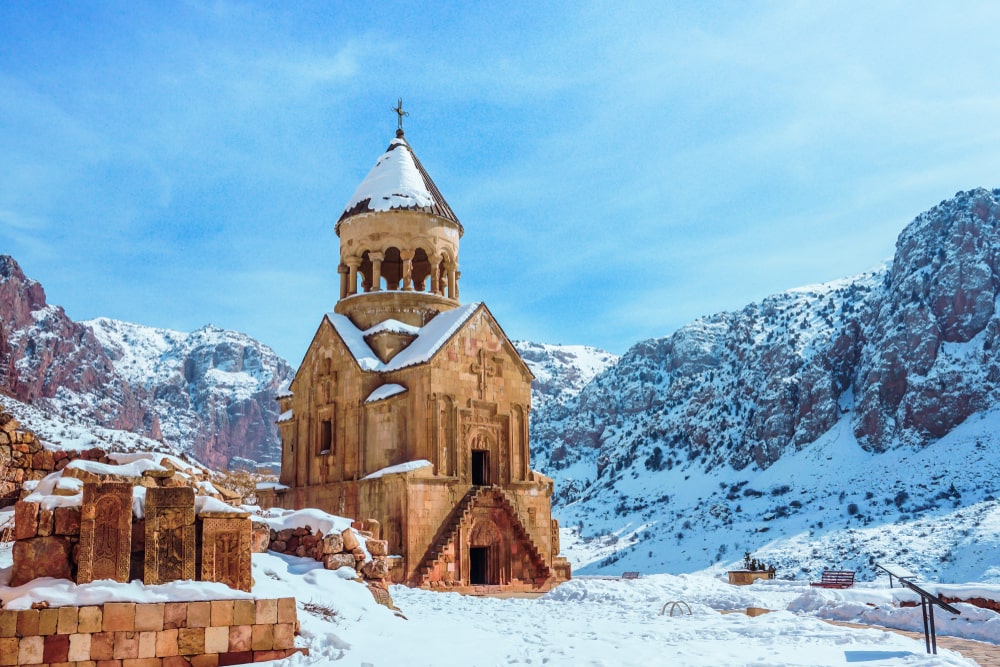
{"points": [[927, 601]]}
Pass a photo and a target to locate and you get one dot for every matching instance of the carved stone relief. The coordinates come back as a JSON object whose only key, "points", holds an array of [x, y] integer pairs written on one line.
{"points": [[105, 532], [170, 535]]}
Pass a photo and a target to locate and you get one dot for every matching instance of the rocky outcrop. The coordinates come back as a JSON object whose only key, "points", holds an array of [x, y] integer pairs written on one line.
{"points": [[46, 357], [906, 353], [928, 362], [213, 389], [209, 393], [560, 371]]}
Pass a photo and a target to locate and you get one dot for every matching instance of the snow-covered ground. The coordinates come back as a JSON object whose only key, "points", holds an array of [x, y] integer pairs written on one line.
{"points": [[586, 621], [594, 621], [61, 431], [827, 505]]}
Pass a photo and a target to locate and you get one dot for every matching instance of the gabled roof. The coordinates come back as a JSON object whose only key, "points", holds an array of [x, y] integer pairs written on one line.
{"points": [[398, 182], [430, 338]]}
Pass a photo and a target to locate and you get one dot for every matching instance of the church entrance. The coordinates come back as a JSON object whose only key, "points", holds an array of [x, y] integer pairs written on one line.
{"points": [[479, 566], [485, 553], [480, 468]]}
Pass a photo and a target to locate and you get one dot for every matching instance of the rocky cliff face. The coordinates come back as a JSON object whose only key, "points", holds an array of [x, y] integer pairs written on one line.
{"points": [[213, 389], [907, 352], [209, 393], [561, 371], [47, 358]]}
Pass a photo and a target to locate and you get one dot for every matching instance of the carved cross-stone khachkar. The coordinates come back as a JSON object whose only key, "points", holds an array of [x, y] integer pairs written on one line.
{"points": [[225, 548], [105, 532], [486, 367], [170, 535]]}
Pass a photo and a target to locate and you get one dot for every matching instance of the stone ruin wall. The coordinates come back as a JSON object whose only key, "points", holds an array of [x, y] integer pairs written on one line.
{"points": [[171, 634], [336, 550], [66, 542], [59, 542], [23, 459]]}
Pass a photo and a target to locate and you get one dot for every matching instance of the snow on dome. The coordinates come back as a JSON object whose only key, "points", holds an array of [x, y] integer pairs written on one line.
{"points": [[385, 391], [402, 467], [398, 181]]}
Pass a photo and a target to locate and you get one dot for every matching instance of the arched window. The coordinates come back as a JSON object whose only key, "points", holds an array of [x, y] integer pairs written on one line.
{"points": [[421, 270], [365, 273], [392, 269]]}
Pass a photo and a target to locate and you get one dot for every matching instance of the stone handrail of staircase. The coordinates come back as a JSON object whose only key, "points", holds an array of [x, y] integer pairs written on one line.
{"points": [[445, 535], [525, 536], [460, 516]]}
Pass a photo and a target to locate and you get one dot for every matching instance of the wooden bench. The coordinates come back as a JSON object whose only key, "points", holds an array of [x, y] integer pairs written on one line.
{"points": [[630, 575], [835, 579]]}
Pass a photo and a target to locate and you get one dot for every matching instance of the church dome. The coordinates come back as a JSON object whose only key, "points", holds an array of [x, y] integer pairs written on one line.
{"points": [[398, 182], [398, 244]]}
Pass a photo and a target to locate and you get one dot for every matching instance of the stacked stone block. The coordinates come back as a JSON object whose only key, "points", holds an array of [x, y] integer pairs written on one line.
{"points": [[103, 540], [171, 634], [26, 460], [335, 549]]}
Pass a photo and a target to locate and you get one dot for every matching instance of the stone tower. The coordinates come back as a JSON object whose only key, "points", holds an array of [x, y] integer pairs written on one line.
{"points": [[411, 408]]}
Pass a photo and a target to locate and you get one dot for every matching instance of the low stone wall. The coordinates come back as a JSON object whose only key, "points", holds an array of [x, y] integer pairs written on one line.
{"points": [[334, 550], [27, 460], [982, 603], [170, 634]]}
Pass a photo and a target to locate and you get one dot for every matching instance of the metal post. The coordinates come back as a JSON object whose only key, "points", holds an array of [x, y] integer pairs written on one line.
{"points": [[927, 634], [930, 610]]}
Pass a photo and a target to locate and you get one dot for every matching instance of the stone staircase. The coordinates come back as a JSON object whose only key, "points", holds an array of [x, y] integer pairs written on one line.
{"points": [[445, 535], [459, 517], [523, 534]]}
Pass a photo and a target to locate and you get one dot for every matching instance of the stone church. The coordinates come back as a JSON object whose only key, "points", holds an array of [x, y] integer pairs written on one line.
{"points": [[411, 408]]}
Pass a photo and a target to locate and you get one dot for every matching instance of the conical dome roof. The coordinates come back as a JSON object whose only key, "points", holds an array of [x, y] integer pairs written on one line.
{"points": [[398, 182]]}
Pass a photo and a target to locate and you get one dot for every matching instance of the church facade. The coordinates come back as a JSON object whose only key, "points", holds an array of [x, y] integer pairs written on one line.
{"points": [[411, 408]]}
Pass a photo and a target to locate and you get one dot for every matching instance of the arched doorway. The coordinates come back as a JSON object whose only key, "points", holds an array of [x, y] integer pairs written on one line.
{"points": [[485, 552]]}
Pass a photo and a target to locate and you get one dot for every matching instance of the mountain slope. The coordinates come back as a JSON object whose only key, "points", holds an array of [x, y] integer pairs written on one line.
{"points": [[899, 357], [45, 357], [561, 371], [209, 393], [212, 389]]}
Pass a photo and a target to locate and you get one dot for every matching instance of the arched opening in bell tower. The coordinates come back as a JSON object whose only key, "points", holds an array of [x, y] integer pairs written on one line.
{"points": [[421, 270], [392, 269]]}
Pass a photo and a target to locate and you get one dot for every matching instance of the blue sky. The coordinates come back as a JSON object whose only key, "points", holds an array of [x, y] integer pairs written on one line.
{"points": [[620, 168]]}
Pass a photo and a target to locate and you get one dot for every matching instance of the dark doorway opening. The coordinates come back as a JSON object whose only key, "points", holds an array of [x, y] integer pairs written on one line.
{"points": [[479, 566], [480, 468]]}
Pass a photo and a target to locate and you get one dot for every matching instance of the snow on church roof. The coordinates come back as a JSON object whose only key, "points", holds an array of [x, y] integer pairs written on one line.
{"points": [[398, 181], [385, 391], [429, 340], [401, 467], [393, 326]]}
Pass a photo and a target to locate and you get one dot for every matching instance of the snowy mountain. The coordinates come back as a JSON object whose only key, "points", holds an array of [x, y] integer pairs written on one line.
{"points": [[209, 393], [212, 389], [47, 358], [561, 371], [862, 404]]}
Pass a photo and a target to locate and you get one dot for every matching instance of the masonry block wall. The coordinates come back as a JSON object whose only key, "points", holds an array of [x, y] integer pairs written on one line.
{"points": [[24, 458], [170, 634]]}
